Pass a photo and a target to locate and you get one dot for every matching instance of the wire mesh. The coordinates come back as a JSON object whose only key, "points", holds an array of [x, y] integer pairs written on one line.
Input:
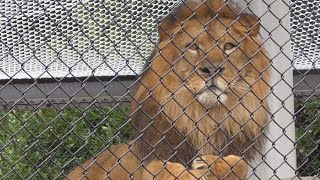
{"points": [[89, 89]]}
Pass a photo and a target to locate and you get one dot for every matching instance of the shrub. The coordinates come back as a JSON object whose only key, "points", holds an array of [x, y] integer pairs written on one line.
{"points": [[308, 138], [43, 144]]}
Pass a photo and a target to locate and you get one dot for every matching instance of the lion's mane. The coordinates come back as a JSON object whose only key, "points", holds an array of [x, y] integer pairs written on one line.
{"points": [[171, 122]]}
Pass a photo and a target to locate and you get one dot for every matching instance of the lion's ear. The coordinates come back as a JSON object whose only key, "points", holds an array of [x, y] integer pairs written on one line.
{"points": [[248, 23], [171, 23], [167, 26]]}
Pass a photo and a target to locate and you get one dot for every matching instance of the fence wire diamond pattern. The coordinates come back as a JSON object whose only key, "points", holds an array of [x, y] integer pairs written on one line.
{"points": [[159, 89]]}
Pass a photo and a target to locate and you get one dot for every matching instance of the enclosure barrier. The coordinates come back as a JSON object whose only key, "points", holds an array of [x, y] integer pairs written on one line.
{"points": [[69, 70]]}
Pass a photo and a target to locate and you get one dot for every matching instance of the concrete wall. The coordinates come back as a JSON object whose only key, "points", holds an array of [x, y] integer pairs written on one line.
{"points": [[279, 160]]}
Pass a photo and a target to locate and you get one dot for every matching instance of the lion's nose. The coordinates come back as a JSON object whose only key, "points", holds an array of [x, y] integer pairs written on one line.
{"points": [[210, 71]]}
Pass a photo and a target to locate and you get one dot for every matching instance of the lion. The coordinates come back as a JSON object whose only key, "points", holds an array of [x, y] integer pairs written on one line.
{"points": [[201, 105]]}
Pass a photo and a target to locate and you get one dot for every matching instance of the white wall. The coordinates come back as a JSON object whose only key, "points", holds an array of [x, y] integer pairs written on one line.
{"points": [[282, 97]]}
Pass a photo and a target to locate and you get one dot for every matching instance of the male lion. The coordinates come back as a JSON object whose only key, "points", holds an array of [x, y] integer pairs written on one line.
{"points": [[203, 94]]}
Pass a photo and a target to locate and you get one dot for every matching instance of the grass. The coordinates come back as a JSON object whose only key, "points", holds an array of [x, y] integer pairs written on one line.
{"points": [[44, 144]]}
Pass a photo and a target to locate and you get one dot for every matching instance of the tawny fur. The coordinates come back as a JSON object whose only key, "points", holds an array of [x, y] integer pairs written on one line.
{"points": [[107, 166], [177, 118]]}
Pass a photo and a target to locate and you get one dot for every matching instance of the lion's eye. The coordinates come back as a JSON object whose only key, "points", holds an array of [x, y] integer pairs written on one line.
{"points": [[229, 48], [193, 48]]}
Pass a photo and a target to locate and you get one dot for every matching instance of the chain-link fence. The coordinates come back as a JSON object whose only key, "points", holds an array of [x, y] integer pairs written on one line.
{"points": [[159, 89]]}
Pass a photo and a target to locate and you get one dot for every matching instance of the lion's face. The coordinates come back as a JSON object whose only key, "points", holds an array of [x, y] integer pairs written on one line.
{"points": [[215, 63]]}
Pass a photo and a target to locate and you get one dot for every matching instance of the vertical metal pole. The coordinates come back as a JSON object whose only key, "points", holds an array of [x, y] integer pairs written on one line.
{"points": [[280, 156]]}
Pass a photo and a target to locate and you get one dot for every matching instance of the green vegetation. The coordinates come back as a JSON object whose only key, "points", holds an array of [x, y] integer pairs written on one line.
{"points": [[43, 144], [308, 138]]}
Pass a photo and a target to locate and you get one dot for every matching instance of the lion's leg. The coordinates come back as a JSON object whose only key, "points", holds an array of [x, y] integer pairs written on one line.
{"points": [[206, 167], [228, 168], [171, 171], [117, 162]]}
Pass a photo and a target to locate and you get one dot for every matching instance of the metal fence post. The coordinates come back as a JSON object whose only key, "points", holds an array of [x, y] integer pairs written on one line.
{"points": [[280, 159]]}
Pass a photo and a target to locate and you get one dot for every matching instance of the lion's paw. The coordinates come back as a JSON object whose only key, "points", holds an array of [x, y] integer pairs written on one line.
{"points": [[230, 167], [202, 162]]}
